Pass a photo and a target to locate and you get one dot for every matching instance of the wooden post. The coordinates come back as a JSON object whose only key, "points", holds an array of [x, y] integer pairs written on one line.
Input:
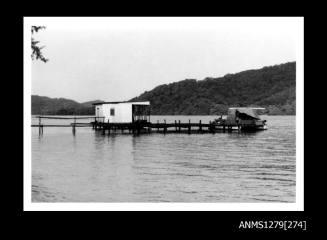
{"points": [[179, 125], [39, 125], [189, 126], [149, 127], [165, 126], [200, 126], [158, 126], [175, 125], [74, 130], [108, 127], [138, 128]]}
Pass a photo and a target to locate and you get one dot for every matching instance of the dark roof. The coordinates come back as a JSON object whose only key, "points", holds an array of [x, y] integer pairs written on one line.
{"points": [[100, 103], [248, 112]]}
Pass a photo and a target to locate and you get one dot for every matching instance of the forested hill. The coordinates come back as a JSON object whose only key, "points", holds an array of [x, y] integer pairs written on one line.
{"points": [[272, 87], [61, 106]]}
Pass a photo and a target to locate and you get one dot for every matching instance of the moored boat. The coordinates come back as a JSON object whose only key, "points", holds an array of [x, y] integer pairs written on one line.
{"points": [[244, 118]]}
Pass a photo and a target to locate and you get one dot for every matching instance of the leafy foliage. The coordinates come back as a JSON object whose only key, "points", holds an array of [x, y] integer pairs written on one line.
{"points": [[36, 50]]}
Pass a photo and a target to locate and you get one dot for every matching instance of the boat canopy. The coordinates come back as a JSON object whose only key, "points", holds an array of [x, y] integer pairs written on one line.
{"points": [[247, 113]]}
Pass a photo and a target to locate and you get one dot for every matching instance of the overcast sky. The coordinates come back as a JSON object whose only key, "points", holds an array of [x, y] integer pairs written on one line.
{"points": [[116, 59]]}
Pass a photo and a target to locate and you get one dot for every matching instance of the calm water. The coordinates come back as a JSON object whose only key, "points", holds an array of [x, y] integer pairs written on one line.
{"points": [[221, 167]]}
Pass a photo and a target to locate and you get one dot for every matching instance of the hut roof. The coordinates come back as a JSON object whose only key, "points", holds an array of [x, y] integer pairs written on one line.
{"points": [[134, 102]]}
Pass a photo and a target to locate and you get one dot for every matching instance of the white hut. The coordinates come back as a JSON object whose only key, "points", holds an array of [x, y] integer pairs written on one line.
{"points": [[122, 112]]}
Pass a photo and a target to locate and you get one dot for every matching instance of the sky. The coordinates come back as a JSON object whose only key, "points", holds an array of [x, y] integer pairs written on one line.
{"points": [[116, 59]]}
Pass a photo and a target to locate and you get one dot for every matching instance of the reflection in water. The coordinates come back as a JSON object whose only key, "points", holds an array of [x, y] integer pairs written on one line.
{"points": [[221, 167]]}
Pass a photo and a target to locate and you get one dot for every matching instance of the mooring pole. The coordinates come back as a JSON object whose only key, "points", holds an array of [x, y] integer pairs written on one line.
{"points": [[200, 126], [189, 126], [104, 127], [157, 125], [138, 128], [39, 125], [74, 130], [165, 126], [179, 125], [108, 127], [175, 125]]}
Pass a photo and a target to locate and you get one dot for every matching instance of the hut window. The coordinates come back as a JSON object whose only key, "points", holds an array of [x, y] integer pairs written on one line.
{"points": [[112, 112]]}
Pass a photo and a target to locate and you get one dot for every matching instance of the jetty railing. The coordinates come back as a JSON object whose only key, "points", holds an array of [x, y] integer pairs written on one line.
{"points": [[74, 124]]}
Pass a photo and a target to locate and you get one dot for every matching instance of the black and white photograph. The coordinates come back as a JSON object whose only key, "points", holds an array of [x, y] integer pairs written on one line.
{"points": [[163, 113]]}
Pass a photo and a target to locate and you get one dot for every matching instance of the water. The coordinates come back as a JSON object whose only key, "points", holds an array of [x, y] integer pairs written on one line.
{"points": [[221, 167]]}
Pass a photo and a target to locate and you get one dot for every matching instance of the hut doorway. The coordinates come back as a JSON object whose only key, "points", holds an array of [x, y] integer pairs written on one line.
{"points": [[140, 113]]}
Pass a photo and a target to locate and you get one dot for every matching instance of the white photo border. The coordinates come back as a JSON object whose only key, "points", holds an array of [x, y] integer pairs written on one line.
{"points": [[27, 185]]}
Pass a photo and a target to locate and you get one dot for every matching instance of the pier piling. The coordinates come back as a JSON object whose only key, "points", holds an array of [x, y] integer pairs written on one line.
{"points": [[189, 126], [40, 126], [165, 127], [74, 126]]}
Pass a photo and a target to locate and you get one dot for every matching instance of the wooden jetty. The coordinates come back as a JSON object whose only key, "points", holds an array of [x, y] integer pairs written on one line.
{"points": [[137, 121], [139, 127], [163, 127], [73, 125]]}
